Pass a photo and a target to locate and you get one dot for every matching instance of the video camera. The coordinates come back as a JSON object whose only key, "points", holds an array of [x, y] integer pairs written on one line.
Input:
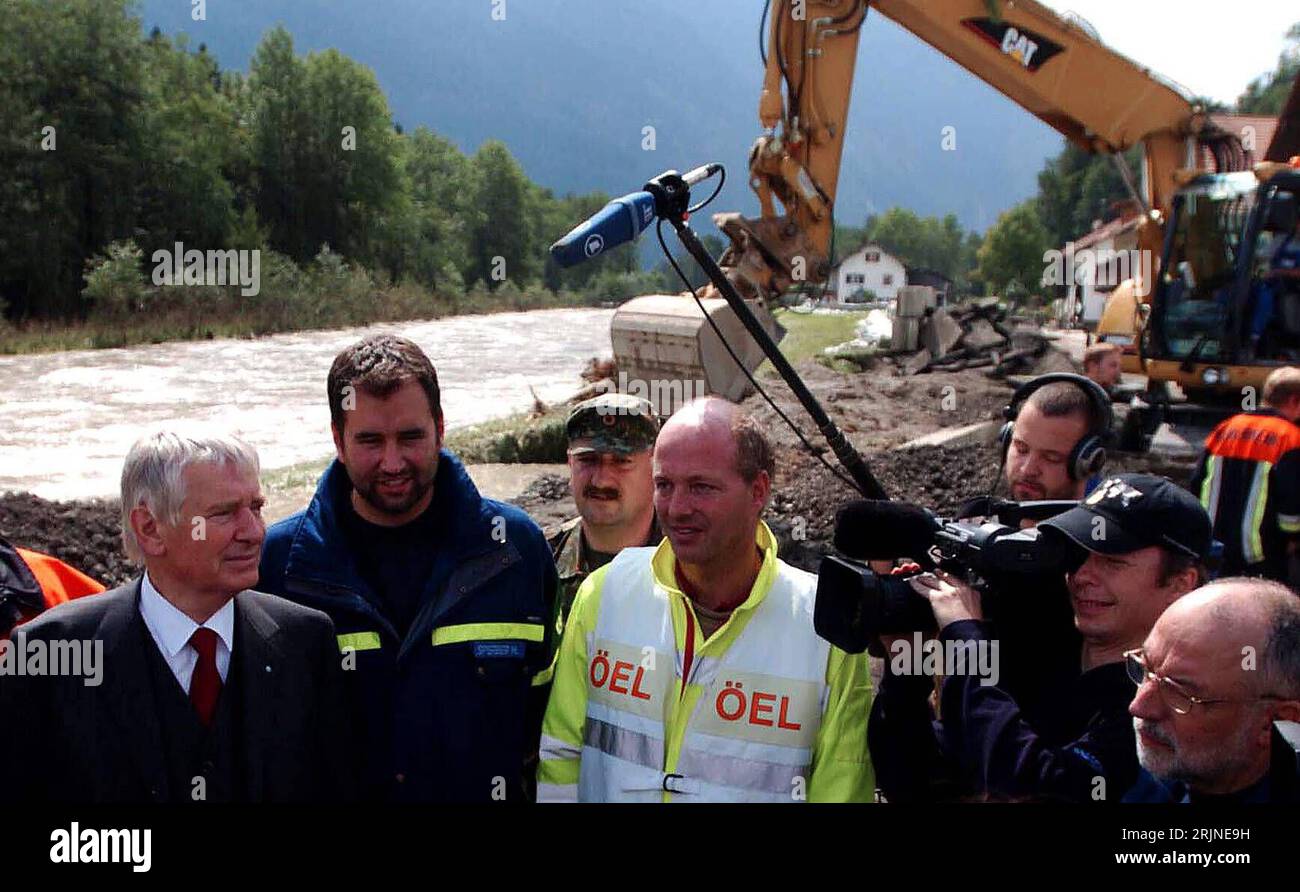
{"points": [[856, 605]]}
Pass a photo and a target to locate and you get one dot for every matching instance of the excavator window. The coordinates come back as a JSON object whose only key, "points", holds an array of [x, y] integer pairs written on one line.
{"points": [[1273, 321], [1198, 277]]}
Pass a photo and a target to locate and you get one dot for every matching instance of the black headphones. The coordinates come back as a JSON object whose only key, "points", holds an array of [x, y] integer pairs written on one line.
{"points": [[1088, 456]]}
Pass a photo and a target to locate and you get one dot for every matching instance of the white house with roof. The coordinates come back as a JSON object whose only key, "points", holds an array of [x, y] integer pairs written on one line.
{"points": [[868, 269]]}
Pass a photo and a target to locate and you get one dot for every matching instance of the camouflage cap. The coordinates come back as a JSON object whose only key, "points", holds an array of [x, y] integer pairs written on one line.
{"points": [[613, 422]]}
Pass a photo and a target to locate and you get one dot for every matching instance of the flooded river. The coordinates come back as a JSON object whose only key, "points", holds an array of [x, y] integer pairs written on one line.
{"points": [[67, 419]]}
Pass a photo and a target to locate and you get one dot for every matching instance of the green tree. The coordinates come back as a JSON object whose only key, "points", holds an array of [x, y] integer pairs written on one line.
{"points": [[423, 235], [191, 139], [1011, 257], [672, 283], [280, 129], [933, 243], [902, 233], [350, 154], [504, 223], [969, 282], [1075, 188], [1267, 94], [70, 98]]}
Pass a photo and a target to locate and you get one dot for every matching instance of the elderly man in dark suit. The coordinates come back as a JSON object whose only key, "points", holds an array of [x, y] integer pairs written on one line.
{"points": [[189, 687]]}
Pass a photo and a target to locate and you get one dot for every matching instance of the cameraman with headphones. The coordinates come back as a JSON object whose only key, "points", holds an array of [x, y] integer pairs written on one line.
{"points": [[1051, 721]]}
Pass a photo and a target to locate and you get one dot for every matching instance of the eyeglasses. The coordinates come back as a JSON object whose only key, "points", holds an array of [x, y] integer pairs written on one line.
{"points": [[1171, 692]]}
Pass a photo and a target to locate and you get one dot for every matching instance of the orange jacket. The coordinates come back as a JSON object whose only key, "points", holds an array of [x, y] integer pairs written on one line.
{"points": [[31, 582], [58, 581]]}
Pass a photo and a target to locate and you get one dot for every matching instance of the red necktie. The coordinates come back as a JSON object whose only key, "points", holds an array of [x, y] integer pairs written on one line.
{"points": [[205, 683]]}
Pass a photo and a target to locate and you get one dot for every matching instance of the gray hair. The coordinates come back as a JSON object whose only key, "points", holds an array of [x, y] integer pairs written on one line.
{"points": [[153, 474], [1277, 615], [1282, 655]]}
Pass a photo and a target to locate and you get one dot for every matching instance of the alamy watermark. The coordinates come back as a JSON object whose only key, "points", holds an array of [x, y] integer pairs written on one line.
{"points": [[1108, 266], [195, 267], [948, 658], [86, 845], [34, 657], [665, 395]]}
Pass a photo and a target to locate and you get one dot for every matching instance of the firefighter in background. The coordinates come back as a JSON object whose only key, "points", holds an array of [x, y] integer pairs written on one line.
{"points": [[1248, 479], [31, 582]]}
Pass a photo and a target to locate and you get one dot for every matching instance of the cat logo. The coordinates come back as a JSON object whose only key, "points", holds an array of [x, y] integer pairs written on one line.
{"points": [[1030, 49], [1019, 47]]}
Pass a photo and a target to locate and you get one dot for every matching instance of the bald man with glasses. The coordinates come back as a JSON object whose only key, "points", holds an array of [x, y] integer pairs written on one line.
{"points": [[1219, 667]]}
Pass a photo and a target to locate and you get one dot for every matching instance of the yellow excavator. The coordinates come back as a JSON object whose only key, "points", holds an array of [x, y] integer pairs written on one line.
{"points": [[1054, 66]]}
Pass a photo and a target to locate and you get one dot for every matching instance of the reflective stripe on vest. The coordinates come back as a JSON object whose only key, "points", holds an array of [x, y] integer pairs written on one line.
{"points": [[487, 631], [1211, 486], [741, 728], [359, 641], [1252, 518]]}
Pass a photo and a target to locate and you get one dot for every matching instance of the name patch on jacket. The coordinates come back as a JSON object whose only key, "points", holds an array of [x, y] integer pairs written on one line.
{"points": [[499, 650]]}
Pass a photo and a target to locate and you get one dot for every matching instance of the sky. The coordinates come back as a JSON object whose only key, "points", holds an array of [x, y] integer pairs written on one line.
{"points": [[1195, 43]]}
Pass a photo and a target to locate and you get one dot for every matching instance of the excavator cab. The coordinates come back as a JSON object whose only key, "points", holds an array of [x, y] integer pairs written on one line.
{"points": [[1268, 290], [1194, 291], [1222, 316]]}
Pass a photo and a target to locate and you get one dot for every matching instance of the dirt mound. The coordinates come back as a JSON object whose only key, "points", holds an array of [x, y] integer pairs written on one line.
{"points": [[878, 409], [547, 500], [807, 496], [83, 534]]}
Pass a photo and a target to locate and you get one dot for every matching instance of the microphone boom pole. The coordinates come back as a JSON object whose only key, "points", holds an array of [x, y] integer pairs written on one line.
{"points": [[672, 203]]}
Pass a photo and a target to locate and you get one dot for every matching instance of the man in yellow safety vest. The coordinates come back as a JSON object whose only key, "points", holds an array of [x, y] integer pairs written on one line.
{"points": [[691, 671]]}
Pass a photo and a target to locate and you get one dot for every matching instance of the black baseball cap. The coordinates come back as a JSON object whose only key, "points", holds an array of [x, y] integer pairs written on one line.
{"points": [[1131, 511]]}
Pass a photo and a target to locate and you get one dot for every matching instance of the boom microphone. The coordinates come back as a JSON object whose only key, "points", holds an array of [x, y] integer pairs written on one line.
{"points": [[623, 219], [618, 222], [869, 530]]}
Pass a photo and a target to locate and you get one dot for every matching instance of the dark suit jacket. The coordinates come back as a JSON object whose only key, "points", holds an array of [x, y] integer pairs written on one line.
{"points": [[64, 741]]}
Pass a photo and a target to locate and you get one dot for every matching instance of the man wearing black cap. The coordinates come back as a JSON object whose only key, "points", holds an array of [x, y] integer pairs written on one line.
{"points": [[1139, 543], [610, 442]]}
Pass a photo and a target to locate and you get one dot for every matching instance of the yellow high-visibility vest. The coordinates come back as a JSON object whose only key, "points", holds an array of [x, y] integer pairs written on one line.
{"points": [[643, 708]]}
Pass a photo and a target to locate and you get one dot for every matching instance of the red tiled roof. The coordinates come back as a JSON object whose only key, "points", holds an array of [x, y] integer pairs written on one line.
{"points": [[1105, 231]]}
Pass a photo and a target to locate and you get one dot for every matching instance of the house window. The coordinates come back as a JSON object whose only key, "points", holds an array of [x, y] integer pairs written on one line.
{"points": [[873, 257], [855, 279], [888, 280]]}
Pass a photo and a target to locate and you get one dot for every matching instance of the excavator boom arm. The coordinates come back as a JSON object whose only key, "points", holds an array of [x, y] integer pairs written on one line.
{"points": [[1050, 65]]}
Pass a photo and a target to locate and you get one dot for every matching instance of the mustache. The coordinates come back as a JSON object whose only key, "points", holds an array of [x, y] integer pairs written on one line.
{"points": [[1152, 730], [599, 493]]}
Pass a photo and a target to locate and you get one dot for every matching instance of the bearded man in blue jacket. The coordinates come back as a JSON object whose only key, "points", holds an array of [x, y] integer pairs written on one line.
{"points": [[440, 597]]}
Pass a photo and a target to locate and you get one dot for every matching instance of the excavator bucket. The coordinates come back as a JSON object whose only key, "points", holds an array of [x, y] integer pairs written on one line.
{"points": [[666, 349]]}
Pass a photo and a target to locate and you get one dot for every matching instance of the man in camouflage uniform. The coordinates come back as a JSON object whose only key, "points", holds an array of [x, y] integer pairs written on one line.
{"points": [[611, 438]]}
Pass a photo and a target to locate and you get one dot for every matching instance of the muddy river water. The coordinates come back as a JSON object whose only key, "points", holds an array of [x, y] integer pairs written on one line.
{"points": [[67, 419]]}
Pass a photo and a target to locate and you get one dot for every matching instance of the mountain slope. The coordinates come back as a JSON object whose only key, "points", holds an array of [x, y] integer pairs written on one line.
{"points": [[569, 86]]}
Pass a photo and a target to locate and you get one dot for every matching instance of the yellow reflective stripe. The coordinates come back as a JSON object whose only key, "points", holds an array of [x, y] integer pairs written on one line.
{"points": [[1252, 544], [1289, 523], [545, 676], [1210, 486], [359, 641], [487, 631]]}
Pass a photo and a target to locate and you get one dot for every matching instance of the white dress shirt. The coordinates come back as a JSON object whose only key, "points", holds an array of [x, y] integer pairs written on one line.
{"points": [[171, 630]]}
